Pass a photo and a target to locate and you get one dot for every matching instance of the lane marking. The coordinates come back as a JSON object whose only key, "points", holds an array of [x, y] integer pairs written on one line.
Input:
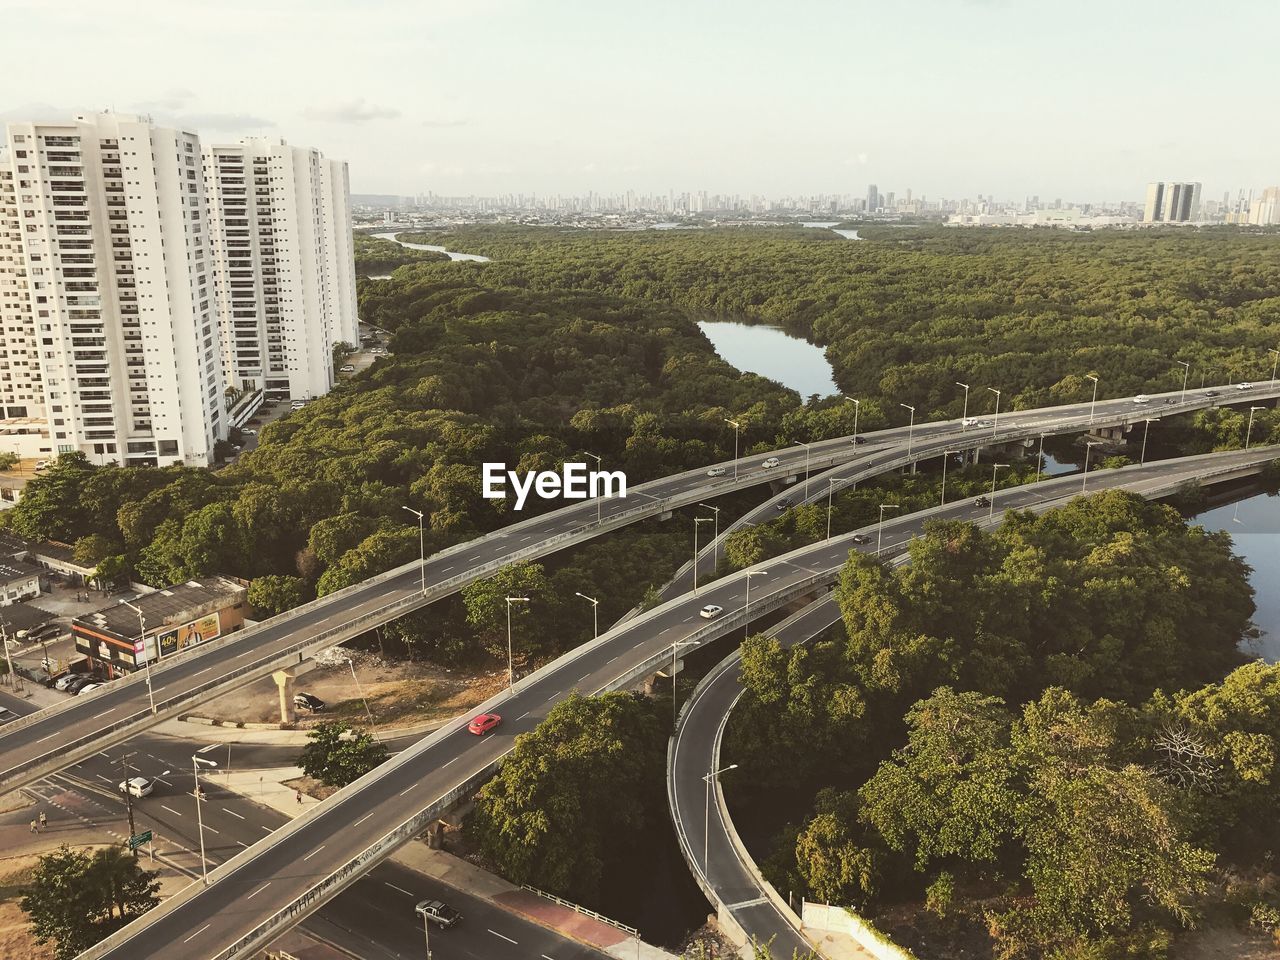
{"points": [[206, 749], [258, 891], [211, 830], [233, 813], [362, 819], [313, 852], [243, 844], [197, 673], [49, 737], [446, 763], [197, 933], [398, 889], [523, 715], [504, 937], [407, 789], [171, 810], [264, 829], [583, 677], [105, 712]]}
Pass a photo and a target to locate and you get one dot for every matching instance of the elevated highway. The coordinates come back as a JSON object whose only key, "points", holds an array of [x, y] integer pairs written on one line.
{"points": [[284, 877]]}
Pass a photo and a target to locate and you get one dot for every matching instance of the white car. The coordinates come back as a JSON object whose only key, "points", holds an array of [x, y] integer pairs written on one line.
{"points": [[710, 611], [347, 368], [770, 463], [1142, 398], [88, 687], [716, 472], [249, 432], [1244, 385], [42, 464], [137, 786], [969, 422]]}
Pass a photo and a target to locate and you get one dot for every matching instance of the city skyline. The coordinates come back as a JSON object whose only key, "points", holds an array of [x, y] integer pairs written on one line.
{"points": [[503, 96]]}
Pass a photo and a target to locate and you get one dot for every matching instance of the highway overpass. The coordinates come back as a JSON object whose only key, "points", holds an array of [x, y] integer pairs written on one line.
{"points": [[284, 877]]}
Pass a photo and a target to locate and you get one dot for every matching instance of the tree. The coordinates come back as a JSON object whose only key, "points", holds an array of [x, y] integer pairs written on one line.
{"points": [[338, 754], [74, 899], [579, 790], [275, 594], [486, 605], [751, 545], [90, 550]]}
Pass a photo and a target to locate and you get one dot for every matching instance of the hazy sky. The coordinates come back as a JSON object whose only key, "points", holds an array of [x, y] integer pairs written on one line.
{"points": [[1080, 99]]}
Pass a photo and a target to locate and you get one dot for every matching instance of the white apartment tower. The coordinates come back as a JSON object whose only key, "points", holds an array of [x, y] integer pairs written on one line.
{"points": [[111, 283], [1172, 202], [285, 269]]}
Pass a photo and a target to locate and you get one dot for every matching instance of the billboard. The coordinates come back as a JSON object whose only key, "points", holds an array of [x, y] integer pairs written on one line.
{"points": [[189, 634]]}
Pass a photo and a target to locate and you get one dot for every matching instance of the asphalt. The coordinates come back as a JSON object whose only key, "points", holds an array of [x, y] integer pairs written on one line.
{"points": [[30, 750], [275, 875], [373, 919]]}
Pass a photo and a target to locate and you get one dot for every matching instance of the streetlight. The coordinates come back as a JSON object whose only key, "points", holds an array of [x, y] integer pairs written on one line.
{"points": [[746, 609], [1274, 364], [945, 454], [706, 819], [995, 423], [911, 428], [736, 427], [994, 467], [595, 613], [696, 521], [806, 471], [831, 489], [422, 545], [1088, 449], [1146, 430], [426, 933], [359, 690], [1249, 432], [964, 416], [1094, 401], [195, 767], [715, 544], [1186, 372], [599, 467], [142, 642], [1040, 458], [511, 664], [857, 408], [674, 647], [880, 525]]}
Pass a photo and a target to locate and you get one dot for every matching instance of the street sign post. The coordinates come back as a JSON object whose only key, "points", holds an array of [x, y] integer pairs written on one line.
{"points": [[138, 839]]}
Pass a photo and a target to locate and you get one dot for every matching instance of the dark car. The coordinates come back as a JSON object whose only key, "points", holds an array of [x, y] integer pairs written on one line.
{"points": [[782, 504], [308, 701], [861, 538], [982, 502], [859, 440], [1213, 393], [80, 682], [438, 912]]}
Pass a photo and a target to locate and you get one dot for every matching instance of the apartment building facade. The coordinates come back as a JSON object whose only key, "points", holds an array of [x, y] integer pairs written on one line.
{"points": [[1172, 202], [285, 277], [141, 294]]}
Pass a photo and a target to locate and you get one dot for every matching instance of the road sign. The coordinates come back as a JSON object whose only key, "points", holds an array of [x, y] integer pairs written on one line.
{"points": [[139, 839]]}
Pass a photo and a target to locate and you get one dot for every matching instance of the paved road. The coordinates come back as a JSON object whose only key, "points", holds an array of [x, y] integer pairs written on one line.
{"points": [[374, 919], [276, 874], [35, 748]]}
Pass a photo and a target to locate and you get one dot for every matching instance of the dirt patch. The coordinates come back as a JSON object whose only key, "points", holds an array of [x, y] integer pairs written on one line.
{"points": [[1226, 944], [311, 788], [399, 694], [16, 941]]}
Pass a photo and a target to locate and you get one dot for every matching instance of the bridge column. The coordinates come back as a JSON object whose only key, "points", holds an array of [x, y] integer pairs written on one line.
{"points": [[284, 682]]}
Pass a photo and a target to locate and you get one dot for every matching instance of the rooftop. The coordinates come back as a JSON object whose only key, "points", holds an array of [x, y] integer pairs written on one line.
{"points": [[11, 570], [172, 605]]}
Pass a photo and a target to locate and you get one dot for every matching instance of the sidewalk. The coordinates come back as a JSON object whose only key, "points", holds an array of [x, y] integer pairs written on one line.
{"points": [[209, 732], [266, 786]]}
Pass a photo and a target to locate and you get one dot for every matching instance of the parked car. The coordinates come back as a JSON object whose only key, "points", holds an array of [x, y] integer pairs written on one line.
{"points": [[65, 681], [771, 463], [249, 432], [308, 701], [484, 723], [1244, 385], [782, 504], [982, 502], [88, 688], [861, 538], [347, 368], [78, 682], [138, 786], [711, 611], [438, 912], [1142, 398], [716, 472], [42, 464]]}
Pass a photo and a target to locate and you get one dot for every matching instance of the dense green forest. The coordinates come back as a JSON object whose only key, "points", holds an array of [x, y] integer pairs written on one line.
{"points": [[374, 255], [1029, 730]]}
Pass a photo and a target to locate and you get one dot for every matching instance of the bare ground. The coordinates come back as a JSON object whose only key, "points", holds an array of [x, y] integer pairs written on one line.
{"points": [[1225, 943]]}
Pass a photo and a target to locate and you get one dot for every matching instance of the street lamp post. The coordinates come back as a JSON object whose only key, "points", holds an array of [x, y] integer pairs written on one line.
{"points": [[1249, 432], [857, 408], [1186, 372], [911, 428], [965, 415], [599, 467], [595, 613], [1146, 430], [715, 543], [706, 818], [142, 642], [831, 489], [1094, 402], [674, 647], [945, 454], [696, 521], [126, 766], [736, 427], [359, 690], [995, 423], [806, 471], [1088, 449], [195, 767], [422, 545], [426, 934], [994, 467], [746, 609], [1040, 458], [1274, 364], [14, 678], [511, 663], [880, 525]]}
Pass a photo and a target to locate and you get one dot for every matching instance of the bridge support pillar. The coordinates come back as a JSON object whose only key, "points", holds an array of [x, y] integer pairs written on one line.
{"points": [[1115, 434], [284, 682]]}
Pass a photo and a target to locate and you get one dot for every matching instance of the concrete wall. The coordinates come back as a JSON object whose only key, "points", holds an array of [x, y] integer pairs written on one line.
{"points": [[842, 920]]}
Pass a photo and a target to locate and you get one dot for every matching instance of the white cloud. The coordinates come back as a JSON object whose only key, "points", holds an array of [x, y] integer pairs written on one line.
{"points": [[351, 111]]}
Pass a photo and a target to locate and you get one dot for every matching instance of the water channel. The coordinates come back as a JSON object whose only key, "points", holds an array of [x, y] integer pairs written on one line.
{"points": [[773, 353], [430, 246]]}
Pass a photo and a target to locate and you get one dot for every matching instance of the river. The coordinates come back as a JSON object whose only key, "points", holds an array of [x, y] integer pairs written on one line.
{"points": [[429, 246], [828, 224], [773, 353], [1254, 524]]}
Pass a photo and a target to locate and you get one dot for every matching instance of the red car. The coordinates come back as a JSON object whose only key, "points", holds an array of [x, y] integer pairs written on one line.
{"points": [[484, 723]]}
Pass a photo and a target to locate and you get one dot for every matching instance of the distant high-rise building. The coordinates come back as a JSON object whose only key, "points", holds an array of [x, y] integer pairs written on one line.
{"points": [[873, 198], [1172, 202], [1264, 210]]}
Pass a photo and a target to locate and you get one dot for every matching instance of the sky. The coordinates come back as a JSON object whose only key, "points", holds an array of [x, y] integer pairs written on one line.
{"points": [[1084, 100]]}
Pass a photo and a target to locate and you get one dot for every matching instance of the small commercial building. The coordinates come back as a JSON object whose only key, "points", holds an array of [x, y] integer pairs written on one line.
{"points": [[19, 581], [119, 639]]}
